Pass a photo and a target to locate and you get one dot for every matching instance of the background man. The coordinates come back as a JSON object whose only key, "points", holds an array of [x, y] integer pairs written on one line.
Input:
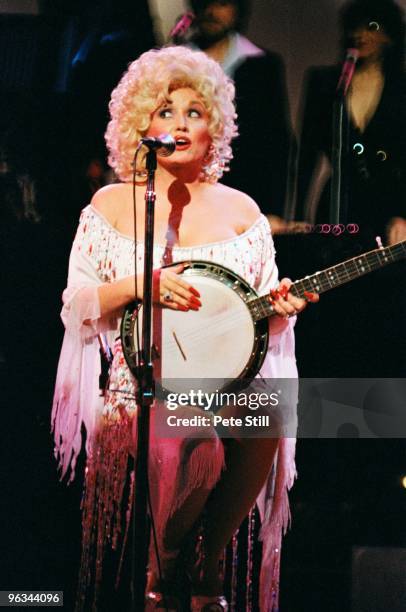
{"points": [[261, 152]]}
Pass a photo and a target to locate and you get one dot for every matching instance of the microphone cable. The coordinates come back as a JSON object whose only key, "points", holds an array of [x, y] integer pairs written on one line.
{"points": [[134, 192]]}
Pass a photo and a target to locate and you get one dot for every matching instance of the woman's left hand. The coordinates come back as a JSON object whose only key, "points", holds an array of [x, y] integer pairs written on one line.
{"points": [[286, 305]]}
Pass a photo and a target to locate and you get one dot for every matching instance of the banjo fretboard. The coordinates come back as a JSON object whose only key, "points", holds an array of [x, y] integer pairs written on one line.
{"points": [[335, 276]]}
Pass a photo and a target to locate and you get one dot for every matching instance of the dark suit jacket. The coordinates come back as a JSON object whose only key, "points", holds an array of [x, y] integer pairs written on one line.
{"points": [[261, 151]]}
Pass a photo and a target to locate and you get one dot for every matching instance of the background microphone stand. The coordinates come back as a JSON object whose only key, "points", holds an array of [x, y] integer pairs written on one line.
{"points": [[340, 144], [145, 398], [338, 195]]}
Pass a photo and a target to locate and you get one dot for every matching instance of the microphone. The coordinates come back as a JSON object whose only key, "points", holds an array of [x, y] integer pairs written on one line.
{"points": [[163, 145], [347, 71], [181, 26]]}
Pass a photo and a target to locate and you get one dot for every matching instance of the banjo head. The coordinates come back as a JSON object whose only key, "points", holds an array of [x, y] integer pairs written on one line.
{"points": [[210, 348]]}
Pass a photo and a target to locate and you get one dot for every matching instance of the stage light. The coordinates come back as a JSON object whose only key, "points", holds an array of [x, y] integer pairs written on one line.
{"points": [[403, 481]]}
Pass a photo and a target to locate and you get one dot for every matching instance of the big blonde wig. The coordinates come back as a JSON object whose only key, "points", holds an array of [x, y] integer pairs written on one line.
{"points": [[147, 83]]}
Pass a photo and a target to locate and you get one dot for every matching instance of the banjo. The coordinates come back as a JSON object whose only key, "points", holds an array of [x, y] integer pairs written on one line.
{"points": [[227, 339]]}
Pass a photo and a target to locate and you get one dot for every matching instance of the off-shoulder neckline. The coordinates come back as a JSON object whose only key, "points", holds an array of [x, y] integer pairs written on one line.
{"points": [[256, 223]]}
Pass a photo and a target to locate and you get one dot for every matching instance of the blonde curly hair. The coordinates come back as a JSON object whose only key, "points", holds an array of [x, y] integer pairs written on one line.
{"points": [[147, 83]]}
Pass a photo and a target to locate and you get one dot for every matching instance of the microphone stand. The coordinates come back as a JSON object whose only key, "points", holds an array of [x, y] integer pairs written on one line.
{"points": [[145, 399], [339, 157]]}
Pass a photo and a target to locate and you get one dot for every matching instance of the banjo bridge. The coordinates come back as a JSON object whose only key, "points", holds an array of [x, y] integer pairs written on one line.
{"points": [[182, 352]]}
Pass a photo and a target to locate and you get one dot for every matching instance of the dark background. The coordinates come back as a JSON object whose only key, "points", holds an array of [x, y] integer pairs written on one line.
{"points": [[57, 68]]}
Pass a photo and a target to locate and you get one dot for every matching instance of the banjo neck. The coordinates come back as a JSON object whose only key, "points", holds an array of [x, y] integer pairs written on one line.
{"points": [[334, 276]]}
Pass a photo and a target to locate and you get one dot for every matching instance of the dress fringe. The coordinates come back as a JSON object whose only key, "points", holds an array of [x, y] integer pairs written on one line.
{"points": [[177, 468], [276, 519], [106, 474]]}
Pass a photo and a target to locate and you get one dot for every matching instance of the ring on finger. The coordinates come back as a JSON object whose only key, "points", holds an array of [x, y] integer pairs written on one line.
{"points": [[168, 296]]}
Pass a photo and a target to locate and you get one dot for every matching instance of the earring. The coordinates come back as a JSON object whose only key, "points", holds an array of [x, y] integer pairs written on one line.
{"points": [[213, 165]]}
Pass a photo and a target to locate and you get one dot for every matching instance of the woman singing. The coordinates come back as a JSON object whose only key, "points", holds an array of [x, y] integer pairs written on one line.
{"points": [[375, 106], [374, 179], [185, 94]]}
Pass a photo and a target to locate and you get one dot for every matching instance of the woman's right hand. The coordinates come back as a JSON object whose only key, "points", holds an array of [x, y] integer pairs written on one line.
{"points": [[171, 291]]}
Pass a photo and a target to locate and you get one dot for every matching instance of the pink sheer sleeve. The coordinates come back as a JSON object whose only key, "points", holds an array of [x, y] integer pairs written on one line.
{"points": [[281, 345], [77, 399], [268, 278], [81, 307], [273, 502]]}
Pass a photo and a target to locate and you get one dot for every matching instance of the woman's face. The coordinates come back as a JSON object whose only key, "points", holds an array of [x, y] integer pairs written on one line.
{"points": [[370, 40], [183, 116]]}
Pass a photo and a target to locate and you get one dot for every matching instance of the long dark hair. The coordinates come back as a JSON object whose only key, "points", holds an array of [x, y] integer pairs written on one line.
{"points": [[386, 13]]}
